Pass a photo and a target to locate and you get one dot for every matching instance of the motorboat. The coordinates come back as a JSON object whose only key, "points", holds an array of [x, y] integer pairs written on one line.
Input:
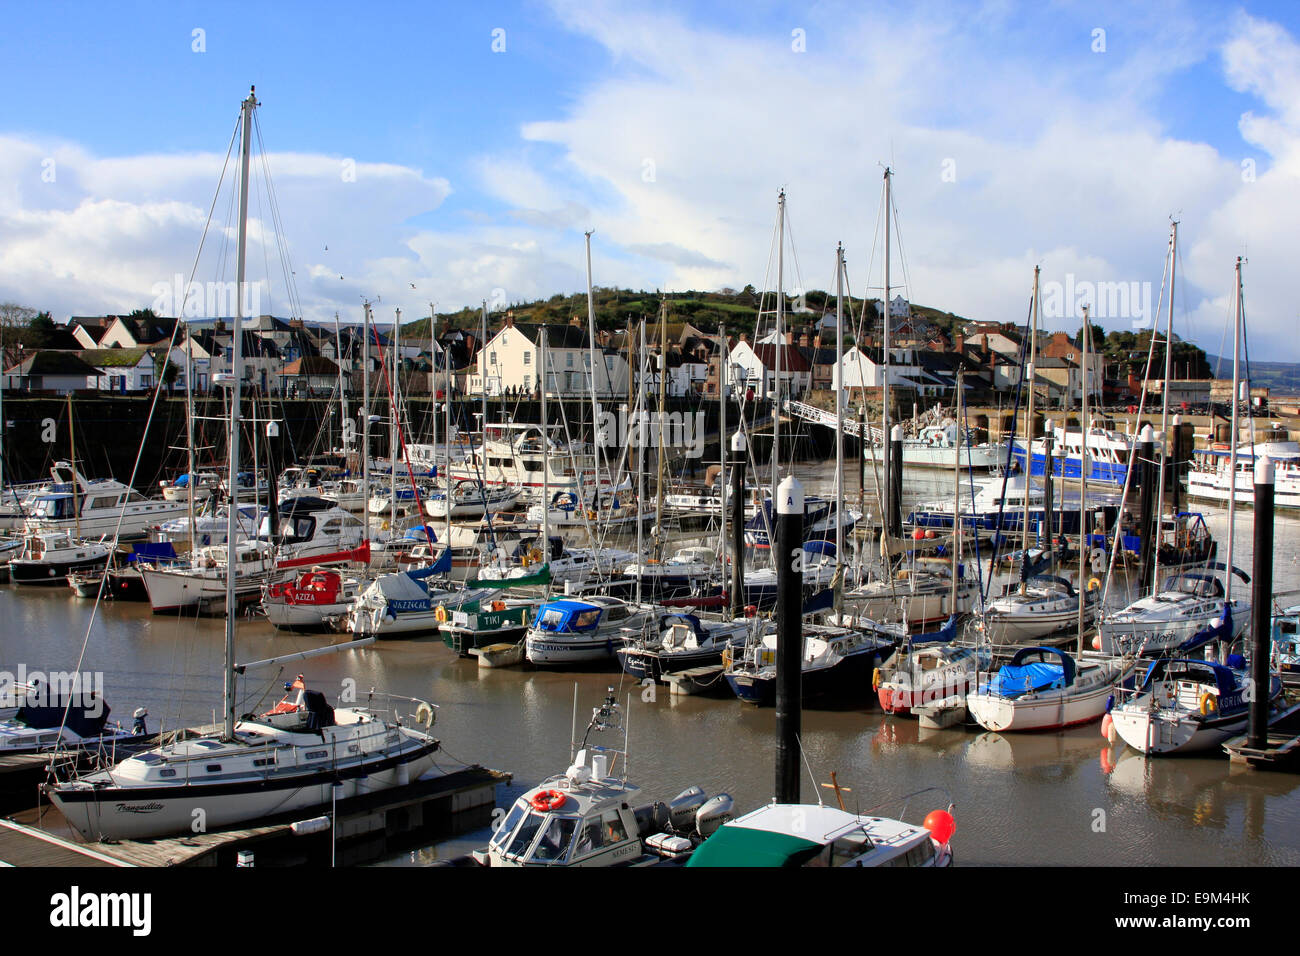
{"points": [[48, 557], [678, 641], [789, 835], [589, 817], [836, 661], [95, 508], [583, 630]]}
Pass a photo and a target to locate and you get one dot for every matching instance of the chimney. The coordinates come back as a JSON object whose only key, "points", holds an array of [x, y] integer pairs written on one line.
{"points": [[789, 336], [961, 343], [576, 322], [817, 342], [510, 320], [744, 338]]}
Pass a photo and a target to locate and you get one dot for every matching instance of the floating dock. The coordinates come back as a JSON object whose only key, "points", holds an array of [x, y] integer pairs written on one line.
{"points": [[1280, 752]]}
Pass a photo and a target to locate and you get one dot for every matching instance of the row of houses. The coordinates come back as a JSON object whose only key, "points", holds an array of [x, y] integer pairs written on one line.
{"points": [[127, 354]]}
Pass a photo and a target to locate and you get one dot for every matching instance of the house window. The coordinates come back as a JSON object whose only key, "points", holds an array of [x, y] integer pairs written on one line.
{"points": [[528, 358], [568, 360], [494, 358]]}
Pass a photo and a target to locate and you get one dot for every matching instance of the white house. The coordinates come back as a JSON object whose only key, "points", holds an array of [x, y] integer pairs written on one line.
{"points": [[510, 362], [755, 366]]}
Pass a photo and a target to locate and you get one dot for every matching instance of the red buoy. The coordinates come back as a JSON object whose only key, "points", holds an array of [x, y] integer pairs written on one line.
{"points": [[941, 826]]}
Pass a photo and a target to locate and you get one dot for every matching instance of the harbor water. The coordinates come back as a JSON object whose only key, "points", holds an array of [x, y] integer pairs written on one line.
{"points": [[1056, 799]]}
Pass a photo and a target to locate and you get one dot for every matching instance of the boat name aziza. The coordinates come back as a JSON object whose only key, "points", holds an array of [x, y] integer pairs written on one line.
{"points": [[641, 429]]}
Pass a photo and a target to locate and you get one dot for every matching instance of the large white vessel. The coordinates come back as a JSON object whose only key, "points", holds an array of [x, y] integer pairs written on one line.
{"points": [[1208, 478], [94, 508], [520, 456]]}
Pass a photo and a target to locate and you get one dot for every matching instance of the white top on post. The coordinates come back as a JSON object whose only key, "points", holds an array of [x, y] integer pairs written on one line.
{"points": [[1178, 420], [1147, 435], [1264, 470], [1048, 426], [896, 433], [738, 442], [789, 496]]}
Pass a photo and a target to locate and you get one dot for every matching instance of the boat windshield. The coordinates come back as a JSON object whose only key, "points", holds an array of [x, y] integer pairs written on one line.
{"points": [[53, 507], [553, 845], [523, 838], [507, 827]]}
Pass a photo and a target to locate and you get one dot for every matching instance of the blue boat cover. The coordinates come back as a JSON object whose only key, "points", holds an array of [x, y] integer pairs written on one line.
{"points": [[1016, 679], [153, 551]]}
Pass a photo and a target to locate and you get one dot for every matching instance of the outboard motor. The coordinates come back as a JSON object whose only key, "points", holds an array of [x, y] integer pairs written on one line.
{"points": [[682, 807], [651, 819], [714, 814]]}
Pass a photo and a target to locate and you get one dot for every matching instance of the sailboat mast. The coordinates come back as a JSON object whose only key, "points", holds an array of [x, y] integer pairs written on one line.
{"points": [[1232, 454], [722, 450], [884, 322], [392, 430], [1083, 472], [780, 338], [343, 393], [365, 420], [663, 425], [640, 471], [1164, 404], [189, 430], [237, 370], [839, 430], [1030, 375], [72, 453], [542, 334]]}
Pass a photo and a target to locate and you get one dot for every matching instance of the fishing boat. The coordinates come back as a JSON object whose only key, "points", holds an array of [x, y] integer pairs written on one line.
{"points": [[678, 641], [586, 630], [589, 817], [1002, 504], [1044, 688], [1186, 706], [48, 557], [1108, 455]]}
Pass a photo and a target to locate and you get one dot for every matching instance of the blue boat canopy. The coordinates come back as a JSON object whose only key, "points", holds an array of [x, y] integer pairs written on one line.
{"points": [[1033, 669], [568, 616], [1190, 669]]}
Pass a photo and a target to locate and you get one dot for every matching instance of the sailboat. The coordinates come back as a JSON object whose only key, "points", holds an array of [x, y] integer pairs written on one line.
{"points": [[1192, 607], [287, 759]]}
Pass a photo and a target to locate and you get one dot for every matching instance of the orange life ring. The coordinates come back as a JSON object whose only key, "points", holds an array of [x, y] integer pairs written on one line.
{"points": [[547, 800]]}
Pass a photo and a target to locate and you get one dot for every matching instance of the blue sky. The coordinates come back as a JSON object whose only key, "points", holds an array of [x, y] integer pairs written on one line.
{"points": [[668, 129]]}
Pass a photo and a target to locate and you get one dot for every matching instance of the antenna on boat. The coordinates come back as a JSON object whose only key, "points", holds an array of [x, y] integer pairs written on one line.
{"points": [[807, 766]]}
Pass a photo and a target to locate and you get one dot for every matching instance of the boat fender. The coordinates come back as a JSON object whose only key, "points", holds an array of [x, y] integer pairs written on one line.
{"points": [[875, 679], [535, 555], [440, 614], [1094, 584], [1209, 704], [547, 800]]}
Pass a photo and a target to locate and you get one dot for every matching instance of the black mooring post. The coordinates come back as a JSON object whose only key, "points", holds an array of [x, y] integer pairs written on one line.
{"points": [[739, 449], [896, 481], [789, 637], [1145, 451], [1261, 603]]}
